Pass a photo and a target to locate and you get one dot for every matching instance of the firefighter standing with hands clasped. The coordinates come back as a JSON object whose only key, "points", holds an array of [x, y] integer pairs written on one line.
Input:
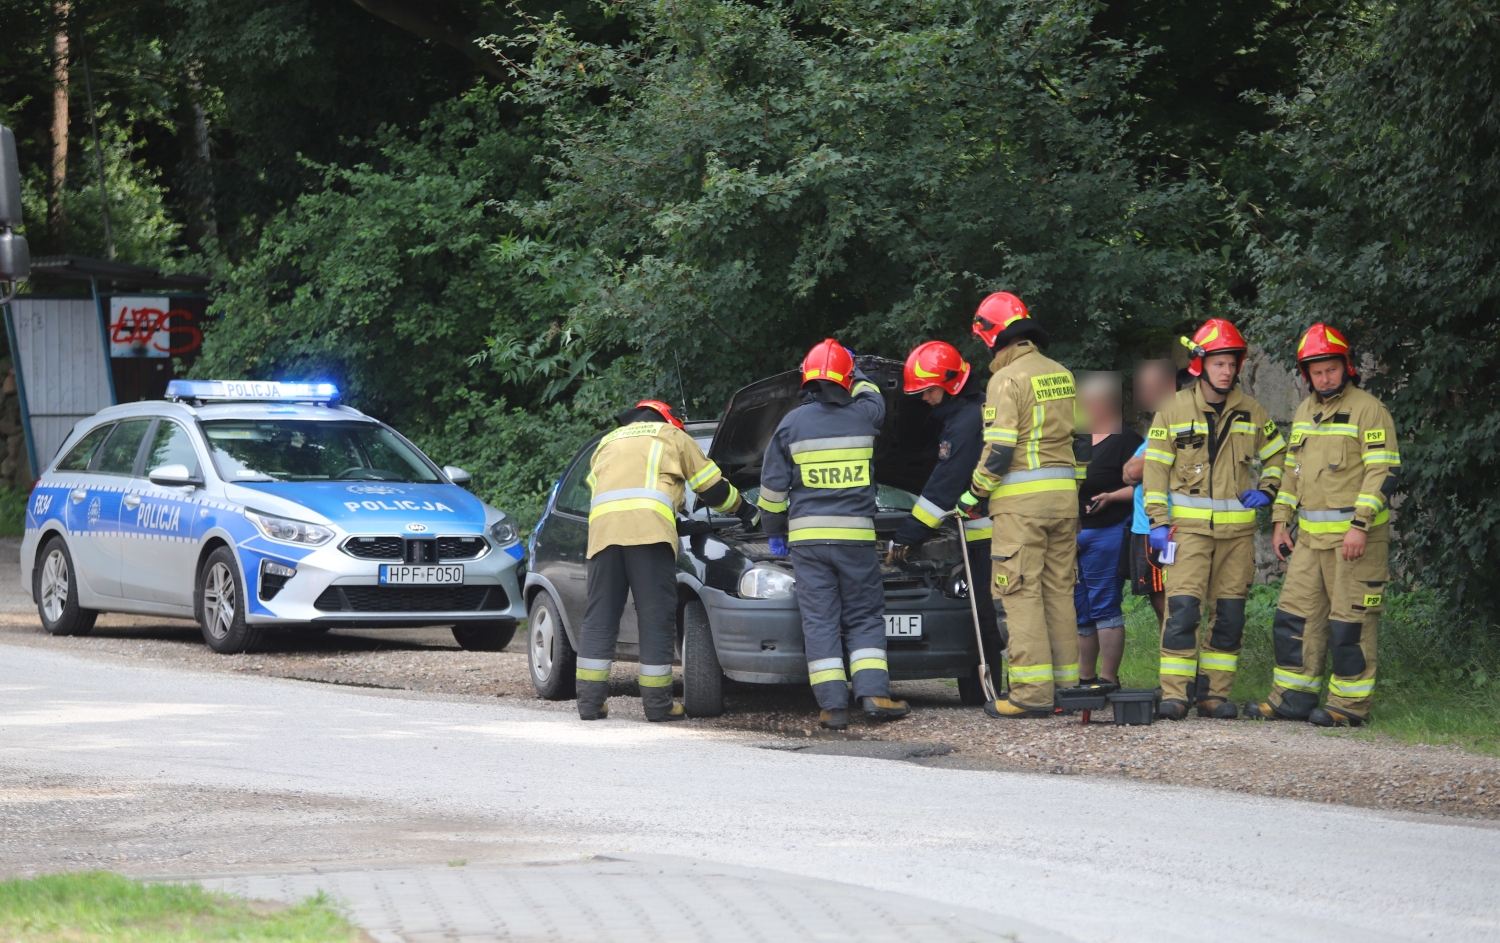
{"points": [[638, 473], [1343, 468], [1199, 451], [817, 492], [1029, 470]]}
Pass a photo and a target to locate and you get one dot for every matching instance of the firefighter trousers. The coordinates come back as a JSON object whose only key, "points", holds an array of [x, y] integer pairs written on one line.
{"points": [[1034, 566], [1329, 606], [648, 574], [842, 601], [1221, 570]]}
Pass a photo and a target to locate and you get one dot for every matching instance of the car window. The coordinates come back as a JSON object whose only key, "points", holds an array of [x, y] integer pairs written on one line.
{"points": [[171, 445], [575, 494], [312, 450], [117, 457], [78, 457]]}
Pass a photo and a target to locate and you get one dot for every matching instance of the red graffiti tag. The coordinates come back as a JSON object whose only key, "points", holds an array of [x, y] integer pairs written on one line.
{"points": [[139, 327]]}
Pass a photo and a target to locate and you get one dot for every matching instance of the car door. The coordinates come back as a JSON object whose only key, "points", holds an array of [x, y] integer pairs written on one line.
{"points": [[96, 504], [156, 523], [73, 470]]}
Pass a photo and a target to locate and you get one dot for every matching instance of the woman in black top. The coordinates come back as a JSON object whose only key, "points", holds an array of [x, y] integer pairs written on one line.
{"points": [[1105, 507]]}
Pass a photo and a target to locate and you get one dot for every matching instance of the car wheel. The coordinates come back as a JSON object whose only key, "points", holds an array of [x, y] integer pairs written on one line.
{"points": [[221, 606], [971, 689], [549, 654], [702, 676], [484, 636], [54, 585]]}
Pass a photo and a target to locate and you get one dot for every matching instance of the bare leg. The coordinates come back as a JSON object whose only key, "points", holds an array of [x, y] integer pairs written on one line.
{"points": [[1088, 657], [1159, 603], [1111, 645]]}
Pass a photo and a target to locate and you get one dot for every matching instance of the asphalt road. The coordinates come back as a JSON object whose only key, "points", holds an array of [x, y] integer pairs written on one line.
{"points": [[1095, 859]]}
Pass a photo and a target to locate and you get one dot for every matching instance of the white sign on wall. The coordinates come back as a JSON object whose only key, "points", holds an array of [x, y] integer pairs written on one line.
{"points": [[138, 327]]}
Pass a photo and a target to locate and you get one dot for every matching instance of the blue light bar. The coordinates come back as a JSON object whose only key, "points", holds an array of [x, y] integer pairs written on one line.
{"points": [[252, 391]]}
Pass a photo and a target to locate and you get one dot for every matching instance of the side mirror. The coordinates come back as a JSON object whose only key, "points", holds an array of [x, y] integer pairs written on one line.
{"points": [[15, 257], [458, 476], [173, 476]]}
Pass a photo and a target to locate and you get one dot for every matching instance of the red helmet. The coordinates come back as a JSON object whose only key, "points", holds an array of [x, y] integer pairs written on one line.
{"points": [[663, 408], [1216, 336], [996, 315], [935, 363], [1322, 342], [829, 360]]}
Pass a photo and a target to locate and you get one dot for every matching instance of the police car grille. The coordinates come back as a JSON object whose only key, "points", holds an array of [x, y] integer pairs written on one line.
{"points": [[412, 599], [374, 548], [460, 548]]}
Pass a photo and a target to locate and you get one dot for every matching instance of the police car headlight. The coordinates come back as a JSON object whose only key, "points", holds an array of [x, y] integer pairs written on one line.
{"points": [[290, 531], [764, 582], [503, 531]]}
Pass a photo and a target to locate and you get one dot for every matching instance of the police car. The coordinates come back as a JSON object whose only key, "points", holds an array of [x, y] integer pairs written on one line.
{"points": [[247, 505]]}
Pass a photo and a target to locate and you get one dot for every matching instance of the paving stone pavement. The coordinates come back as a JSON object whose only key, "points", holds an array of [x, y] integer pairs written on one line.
{"points": [[626, 899]]}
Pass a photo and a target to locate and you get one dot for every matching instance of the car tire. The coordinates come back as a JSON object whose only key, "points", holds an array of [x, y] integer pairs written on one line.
{"points": [[702, 675], [971, 689], [484, 636], [54, 586], [549, 654], [221, 602]]}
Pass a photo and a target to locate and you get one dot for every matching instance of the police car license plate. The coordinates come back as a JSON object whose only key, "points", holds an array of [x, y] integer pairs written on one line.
{"points": [[903, 626], [395, 574]]}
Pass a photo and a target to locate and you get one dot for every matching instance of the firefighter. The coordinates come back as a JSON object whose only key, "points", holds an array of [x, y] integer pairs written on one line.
{"points": [[1029, 470], [638, 474], [937, 372], [817, 493], [1199, 451], [1343, 466]]}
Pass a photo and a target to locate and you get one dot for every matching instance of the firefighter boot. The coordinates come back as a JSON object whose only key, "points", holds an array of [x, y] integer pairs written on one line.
{"points": [[1331, 717], [593, 700], [659, 705], [1264, 710], [1217, 708], [1172, 709], [883, 708], [1005, 710], [834, 719]]}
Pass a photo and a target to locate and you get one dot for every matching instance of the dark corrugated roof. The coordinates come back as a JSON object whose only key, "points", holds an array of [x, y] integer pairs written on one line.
{"points": [[82, 268]]}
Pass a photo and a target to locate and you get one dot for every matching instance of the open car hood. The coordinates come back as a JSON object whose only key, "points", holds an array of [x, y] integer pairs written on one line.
{"points": [[905, 453]]}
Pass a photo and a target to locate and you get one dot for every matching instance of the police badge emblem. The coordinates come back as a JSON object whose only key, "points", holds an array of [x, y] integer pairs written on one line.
{"points": [[943, 451]]}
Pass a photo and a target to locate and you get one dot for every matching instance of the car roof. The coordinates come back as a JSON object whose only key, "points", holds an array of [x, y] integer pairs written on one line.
{"points": [[300, 411]]}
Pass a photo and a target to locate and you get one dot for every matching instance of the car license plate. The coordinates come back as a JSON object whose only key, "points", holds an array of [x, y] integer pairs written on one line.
{"points": [[395, 574], [903, 626]]}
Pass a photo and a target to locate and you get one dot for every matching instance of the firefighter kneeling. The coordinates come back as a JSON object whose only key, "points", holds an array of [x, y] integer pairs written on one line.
{"points": [[1342, 470]]}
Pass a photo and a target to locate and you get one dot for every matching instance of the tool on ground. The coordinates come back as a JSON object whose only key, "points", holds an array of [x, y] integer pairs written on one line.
{"points": [[985, 678]]}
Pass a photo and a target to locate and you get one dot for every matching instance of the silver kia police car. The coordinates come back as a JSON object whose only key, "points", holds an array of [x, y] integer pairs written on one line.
{"points": [[247, 505]]}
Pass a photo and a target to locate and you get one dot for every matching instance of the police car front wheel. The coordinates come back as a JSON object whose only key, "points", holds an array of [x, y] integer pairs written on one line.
{"points": [[221, 606], [55, 588]]}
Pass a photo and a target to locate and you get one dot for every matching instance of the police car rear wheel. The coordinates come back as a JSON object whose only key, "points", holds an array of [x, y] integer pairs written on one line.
{"points": [[484, 636], [221, 610], [55, 588], [549, 655]]}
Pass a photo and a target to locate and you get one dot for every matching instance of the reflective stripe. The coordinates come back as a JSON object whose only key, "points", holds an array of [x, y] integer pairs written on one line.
{"points": [[654, 671], [1290, 679], [1382, 457], [832, 444], [1217, 517], [653, 465], [1079, 472], [734, 495], [1034, 441], [830, 674], [832, 455], [868, 664], [984, 481], [981, 529], [1273, 472], [1157, 455], [775, 507], [1155, 497], [1370, 501], [595, 664], [591, 674], [1065, 676], [1218, 661], [1183, 428], [1334, 522], [653, 681], [708, 472], [770, 495], [1216, 504], [1323, 517], [1242, 427], [1290, 500], [619, 493], [1001, 436], [867, 653], [633, 504], [830, 528], [1182, 667], [1035, 480], [1030, 674], [861, 385], [1351, 688], [928, 513], [1333, 428], [1271, 448]]}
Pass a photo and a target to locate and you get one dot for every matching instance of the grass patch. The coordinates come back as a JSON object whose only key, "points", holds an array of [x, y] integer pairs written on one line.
{"points": [[98, 905], [12, 512], [1437, 679]]}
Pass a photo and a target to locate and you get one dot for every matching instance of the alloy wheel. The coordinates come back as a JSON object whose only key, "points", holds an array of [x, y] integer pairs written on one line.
{"points": [[54, 585], [219, 600], [541, 643]]}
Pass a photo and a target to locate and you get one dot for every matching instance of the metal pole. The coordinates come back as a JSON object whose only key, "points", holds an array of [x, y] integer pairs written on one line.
{"points": [[15, 362], [109, 364], [88, 85]]}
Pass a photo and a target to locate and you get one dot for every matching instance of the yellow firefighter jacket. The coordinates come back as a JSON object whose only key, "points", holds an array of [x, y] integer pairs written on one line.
{"points": [[1342, 467], [1028, 466], [1202, 458], [638, 474]]}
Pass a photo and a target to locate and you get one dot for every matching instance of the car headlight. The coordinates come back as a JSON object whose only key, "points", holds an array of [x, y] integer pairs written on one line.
{"points": [[504, 531], [290, 531], [764, 582]]}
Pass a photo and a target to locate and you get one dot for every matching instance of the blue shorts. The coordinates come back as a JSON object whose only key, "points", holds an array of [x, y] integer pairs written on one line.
{"points": [[1099, 592]]}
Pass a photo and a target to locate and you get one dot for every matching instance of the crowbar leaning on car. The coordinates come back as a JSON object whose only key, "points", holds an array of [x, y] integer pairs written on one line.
{"points": [[984, 666]]}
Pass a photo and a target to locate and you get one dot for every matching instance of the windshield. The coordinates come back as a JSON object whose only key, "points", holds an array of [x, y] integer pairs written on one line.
{"points": [[303, 450]]}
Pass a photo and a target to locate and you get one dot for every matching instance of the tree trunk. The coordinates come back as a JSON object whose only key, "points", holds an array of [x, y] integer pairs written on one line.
{"points": [[203, 222], [58, 176]]}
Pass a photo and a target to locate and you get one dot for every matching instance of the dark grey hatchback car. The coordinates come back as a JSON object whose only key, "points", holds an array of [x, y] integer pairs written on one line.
{"points": [[737, 612]]}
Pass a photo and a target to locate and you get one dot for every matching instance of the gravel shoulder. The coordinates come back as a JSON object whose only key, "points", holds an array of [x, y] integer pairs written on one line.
{"points": [[1268, 759]]}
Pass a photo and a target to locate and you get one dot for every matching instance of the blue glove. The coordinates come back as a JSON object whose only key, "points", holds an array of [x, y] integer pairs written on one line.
{"points": [[778, 547], [1159, 537], [1255, 498]]}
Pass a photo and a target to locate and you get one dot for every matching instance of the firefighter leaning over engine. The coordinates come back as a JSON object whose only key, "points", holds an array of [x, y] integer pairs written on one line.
{"points": [[818, 491], [1343, 467], [1200, 494], [1029, 470], [638, 473]]}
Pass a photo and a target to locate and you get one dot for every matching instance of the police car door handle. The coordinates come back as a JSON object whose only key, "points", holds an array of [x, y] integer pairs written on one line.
{"points": [[132, 501], [78, 494]]}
